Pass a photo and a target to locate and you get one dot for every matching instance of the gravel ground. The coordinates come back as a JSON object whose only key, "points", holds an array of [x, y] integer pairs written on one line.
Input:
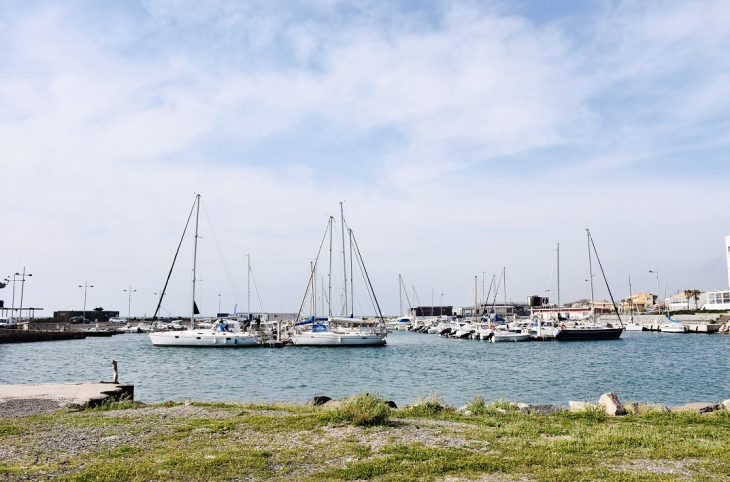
{"points": [[19, 407]]}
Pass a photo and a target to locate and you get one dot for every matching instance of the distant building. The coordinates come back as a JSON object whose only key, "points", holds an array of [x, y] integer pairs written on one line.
{"points": [[715, 300], [569, 312], [90, 315], [727, 253], [639, 302]]}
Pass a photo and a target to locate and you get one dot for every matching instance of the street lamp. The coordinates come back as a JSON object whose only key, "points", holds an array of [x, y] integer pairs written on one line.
{"points": [[85, 286], [12, 309], [129, 304], [22, 286], [657, 289]]}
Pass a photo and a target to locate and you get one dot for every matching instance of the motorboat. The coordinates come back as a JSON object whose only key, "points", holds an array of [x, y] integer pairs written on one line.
{"points": [[503, 333]]}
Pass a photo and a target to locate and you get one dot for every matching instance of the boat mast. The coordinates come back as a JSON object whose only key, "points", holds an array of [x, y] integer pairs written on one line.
{"points": [[352, 282], [590, 272], [248, 286], [631, 302], [476, 295], [344, 258], [558, 281], [195, 259], [400, 297], [329, 275], [504, 279]]}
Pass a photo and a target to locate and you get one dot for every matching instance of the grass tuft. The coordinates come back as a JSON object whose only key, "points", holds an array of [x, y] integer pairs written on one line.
{"points": [[364, 409], [430, 406]]}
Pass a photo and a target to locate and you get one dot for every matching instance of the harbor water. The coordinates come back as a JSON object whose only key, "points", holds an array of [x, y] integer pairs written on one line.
{"points": [[641, 366]]}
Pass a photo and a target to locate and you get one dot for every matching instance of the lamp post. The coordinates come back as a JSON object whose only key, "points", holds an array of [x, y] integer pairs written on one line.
{"points": [[129, 303], [657, 289], [85, 286], [22, 287], [12, 309]]}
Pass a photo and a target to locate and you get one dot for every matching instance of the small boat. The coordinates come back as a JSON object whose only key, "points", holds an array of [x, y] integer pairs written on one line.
{"points": [[503, 333], [96, 331], [673, 326]]}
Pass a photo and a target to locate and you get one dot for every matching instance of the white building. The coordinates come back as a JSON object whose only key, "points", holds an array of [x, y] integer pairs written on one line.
{"points": [[715, 300], [727, 252]]}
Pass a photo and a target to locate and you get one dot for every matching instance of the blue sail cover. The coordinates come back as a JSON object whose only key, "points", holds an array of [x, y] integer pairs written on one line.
{"points": [[673, 320], [319, 328]]}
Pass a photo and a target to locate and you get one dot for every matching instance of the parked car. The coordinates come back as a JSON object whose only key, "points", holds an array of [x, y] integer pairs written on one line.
{"points": [[8, 323], [117, 319], [78, 319]]}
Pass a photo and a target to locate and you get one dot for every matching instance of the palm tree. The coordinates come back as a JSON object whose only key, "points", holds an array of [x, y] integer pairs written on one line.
{"points": [[692, 294]]}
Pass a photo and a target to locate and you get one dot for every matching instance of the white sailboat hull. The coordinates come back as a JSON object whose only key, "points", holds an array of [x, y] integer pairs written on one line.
{"points": [[673, 328], [203, 339], [633, 327], [329, 338]]}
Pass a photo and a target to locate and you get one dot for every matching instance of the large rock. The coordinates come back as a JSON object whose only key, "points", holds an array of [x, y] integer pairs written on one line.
{"points": [[318, 400], [611, 405], [541, 409], [638, 408], [726, 404], [697, 407]]}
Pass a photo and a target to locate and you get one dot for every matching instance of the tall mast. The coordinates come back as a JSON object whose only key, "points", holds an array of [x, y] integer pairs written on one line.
{"points": [[558, 280], [590, 269], [313, 287], [329, 275], [476, 295], [504, 279], [344, 258], [400, 297], [352, 282], [195, 259], [248, 286]]}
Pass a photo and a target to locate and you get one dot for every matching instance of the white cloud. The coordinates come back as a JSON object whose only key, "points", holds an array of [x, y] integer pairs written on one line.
{"points": [[513, 136]]}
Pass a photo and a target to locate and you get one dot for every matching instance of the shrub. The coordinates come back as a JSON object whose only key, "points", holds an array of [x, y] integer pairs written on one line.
{"points": [[364, 409], [476, 404], [428, 406]]}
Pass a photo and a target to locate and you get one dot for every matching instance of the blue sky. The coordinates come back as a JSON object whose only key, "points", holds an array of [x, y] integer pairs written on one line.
{"points": [[510, 125]]}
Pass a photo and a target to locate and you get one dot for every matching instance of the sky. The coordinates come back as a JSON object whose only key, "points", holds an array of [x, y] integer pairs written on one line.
{"points": [[463, 138]]}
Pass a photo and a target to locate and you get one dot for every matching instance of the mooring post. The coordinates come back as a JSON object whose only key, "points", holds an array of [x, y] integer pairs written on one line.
{"points": [[114, 371]]}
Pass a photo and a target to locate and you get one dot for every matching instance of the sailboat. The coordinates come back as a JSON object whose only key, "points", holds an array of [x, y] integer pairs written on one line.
{"points": [[504, 332], [591, 328], [673, 326], [632, 326], [222, 333], [339, 330]]}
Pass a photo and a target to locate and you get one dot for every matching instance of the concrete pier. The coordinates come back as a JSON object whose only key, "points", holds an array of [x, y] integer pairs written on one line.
{"points": [[25, 336], [32, 399]]}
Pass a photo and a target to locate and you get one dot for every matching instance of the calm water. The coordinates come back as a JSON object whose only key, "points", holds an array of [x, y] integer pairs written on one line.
{"points": [[651, 367]]}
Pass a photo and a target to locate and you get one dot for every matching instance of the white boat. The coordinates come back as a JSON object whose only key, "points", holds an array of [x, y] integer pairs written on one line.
{"points": [[633, 327], [502, 334], [673, 326], [346, 330], [223, 334], [339, 332]]}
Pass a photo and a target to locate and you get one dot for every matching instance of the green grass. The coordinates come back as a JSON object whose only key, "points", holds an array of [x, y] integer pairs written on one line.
{"points": [[361, 441]]}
